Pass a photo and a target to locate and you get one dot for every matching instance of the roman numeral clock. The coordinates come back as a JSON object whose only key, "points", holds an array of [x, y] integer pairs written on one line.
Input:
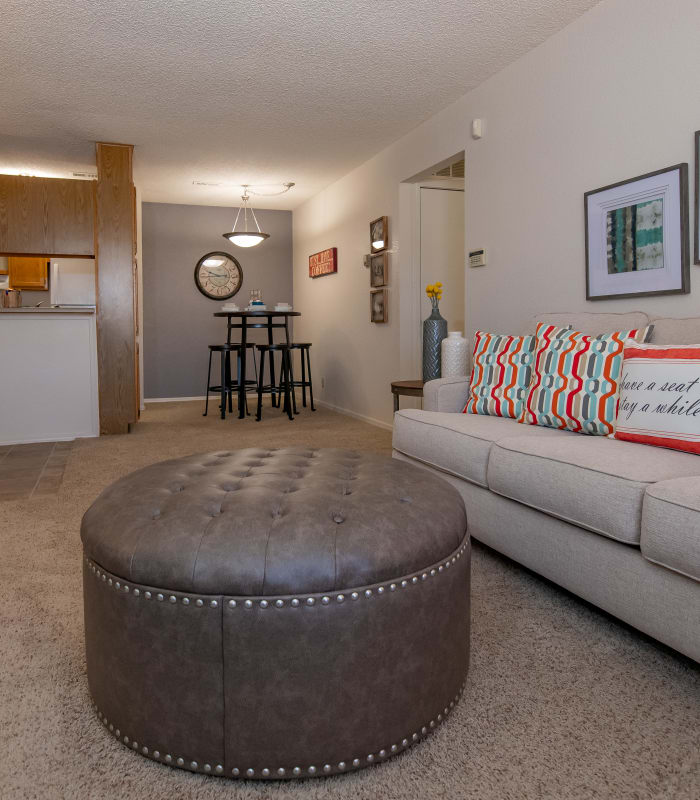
{"points": [[218, 276]]}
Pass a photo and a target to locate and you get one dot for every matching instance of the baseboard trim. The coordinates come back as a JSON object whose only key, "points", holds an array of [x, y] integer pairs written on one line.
{"points": [[202, 398], [173, 399], [362, 417], [387, 426]]}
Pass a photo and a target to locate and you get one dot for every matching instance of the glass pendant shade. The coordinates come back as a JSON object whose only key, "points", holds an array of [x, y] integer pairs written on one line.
{"points": [[246, 237]]}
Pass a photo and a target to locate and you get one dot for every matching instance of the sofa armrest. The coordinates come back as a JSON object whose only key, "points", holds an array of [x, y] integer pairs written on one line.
{"points": [[446, 394]]}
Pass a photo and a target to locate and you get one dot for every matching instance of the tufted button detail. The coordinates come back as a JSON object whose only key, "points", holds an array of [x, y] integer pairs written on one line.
{"points": [[330, 484]]}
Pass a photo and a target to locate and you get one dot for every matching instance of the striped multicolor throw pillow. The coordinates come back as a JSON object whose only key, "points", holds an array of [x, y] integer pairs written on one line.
{"points": [[501, 372], [660, 396], [575, 379]]}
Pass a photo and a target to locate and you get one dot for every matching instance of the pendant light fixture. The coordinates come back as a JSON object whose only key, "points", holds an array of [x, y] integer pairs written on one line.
{"points": [[246, 237]]}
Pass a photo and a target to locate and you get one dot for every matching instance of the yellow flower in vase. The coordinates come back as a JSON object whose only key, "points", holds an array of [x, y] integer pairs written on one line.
{"points": [[434, 293]]}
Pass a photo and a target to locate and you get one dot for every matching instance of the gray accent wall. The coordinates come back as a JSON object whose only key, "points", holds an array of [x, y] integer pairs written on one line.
{"points": [[178, 325]]}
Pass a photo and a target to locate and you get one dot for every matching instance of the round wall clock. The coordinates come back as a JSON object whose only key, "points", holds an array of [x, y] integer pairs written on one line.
{"points": [[218, 276]]}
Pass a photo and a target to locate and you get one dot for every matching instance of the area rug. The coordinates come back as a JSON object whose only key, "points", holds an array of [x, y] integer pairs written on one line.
{"points": [[562, 700]]}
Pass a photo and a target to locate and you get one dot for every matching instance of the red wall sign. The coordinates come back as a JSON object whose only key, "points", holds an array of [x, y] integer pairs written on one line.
{"points": [[323, 263]]}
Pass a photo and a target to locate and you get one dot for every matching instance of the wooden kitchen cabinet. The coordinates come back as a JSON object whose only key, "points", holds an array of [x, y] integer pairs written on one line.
{"points": [[28, 274], [51, 216]]}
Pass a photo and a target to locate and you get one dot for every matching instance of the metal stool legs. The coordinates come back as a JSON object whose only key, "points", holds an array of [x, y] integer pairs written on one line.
{"points": [[290, 379], [276, 388], [227, 387], [224, 388], [290, 403], [206, 402], [311, 383], [305, 382], [306, 371]]}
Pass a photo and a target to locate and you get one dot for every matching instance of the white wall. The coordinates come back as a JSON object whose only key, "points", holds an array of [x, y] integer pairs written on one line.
{"points": [[613, 95]]}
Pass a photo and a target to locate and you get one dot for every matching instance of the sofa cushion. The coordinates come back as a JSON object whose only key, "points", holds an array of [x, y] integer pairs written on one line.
{"points": [[671, 525], [676, 331], [591, 481], [455, 443], [590, 322]]}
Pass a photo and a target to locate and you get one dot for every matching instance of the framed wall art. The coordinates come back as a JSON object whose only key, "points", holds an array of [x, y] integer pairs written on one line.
{"points": [[379, 234], [323, 263], [697, 199], [637, 236], [378, 305], [379, 269]]}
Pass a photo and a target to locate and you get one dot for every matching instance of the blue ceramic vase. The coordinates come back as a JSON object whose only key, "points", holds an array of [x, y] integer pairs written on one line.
{"points": [[434, 331]]}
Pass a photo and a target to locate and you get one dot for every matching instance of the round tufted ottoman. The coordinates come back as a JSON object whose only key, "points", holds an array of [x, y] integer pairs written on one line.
{"points": [[276, 613]]}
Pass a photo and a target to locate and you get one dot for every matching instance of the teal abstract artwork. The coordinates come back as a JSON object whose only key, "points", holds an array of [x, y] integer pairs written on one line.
{"points": [[635, 237]]}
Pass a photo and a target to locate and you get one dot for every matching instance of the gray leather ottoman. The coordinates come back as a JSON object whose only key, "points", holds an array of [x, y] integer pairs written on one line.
{"points": [[276, 613]]}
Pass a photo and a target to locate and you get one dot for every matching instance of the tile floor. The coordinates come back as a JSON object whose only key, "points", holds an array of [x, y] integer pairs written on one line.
{"points": [[28, 470]]}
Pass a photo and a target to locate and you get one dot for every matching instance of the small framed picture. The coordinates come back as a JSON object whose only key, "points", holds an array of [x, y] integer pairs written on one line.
{"points": [[379, 234], [378, 305], [379, 269], [637, 236], [697, 199]]}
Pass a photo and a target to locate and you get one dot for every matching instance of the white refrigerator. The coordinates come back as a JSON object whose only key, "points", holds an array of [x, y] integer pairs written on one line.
{"points": [[72, 282]]}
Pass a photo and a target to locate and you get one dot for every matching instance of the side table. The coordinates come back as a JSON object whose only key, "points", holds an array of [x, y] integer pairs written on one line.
{"points": [[408, 388]]}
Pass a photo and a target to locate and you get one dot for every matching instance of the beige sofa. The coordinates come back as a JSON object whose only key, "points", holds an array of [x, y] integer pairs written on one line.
{"points": [[615, 522]]}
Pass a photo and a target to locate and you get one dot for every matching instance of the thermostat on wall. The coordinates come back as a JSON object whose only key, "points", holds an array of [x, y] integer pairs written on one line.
{"points": [[477, 258]]}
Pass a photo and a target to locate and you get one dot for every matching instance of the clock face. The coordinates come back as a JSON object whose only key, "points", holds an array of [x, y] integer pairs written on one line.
{"points": [[218, 276]]}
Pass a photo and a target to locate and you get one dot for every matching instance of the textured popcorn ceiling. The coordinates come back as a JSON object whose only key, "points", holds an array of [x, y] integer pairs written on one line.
{"points": [[244, 91]]}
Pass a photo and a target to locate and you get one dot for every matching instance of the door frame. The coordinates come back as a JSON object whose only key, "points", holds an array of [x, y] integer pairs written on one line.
{"points": [[410, 274]]}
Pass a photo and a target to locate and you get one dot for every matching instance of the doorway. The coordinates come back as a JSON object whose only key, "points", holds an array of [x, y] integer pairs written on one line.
{"points": [[442, 251], [431, 229]]}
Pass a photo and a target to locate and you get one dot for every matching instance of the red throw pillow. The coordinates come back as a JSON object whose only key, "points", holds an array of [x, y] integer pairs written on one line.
{"points": [[659, 402]]}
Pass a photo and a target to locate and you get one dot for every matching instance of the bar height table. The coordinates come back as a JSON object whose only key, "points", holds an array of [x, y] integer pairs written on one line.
{"points": [[253, 319]]}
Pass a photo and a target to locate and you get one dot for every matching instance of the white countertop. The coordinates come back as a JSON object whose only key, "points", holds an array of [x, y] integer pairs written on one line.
{"points": [[46, 310]]}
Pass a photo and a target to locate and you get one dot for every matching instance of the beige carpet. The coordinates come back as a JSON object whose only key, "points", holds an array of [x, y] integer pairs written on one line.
{"points": [[562, 701]]}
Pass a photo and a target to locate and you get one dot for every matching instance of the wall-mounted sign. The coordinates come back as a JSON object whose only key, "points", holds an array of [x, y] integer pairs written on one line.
{"points": [[323, 263]]}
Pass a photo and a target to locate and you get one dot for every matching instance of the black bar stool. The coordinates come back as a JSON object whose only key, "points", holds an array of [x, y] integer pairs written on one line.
{"points": [[304, 349], [227, 388], [285, 381]]}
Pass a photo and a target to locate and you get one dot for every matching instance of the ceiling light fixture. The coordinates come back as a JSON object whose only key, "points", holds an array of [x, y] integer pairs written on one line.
{"points": [[248, 237]]}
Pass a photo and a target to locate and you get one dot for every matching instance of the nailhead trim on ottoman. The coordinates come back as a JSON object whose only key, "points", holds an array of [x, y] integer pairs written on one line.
{"points": [[348, 765]]}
